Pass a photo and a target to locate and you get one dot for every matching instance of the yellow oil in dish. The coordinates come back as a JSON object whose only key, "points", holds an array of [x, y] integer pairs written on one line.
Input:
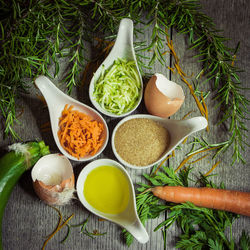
{"points": [[106, 188]]}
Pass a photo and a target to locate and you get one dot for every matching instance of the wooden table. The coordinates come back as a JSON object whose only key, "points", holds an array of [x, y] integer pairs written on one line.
{"points": [[27, 220]]}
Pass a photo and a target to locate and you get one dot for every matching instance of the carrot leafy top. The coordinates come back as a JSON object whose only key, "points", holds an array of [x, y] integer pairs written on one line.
{"points": [[201, 228]]}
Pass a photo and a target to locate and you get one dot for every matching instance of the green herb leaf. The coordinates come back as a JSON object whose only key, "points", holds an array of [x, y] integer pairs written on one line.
{"points": [[201, 228]]}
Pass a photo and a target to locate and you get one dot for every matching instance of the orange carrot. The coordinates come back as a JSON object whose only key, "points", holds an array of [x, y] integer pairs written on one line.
{"points": [[228, 200], [78, 134]]}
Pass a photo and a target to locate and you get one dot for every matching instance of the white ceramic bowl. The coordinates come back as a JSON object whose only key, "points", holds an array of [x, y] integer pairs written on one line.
{"points": [[83, 175], [128, 219], [178, 130], [56, 101], [123, 48]]}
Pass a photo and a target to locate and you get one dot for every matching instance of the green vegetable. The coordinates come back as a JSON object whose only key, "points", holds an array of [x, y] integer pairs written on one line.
{"points": [[118, 88], [201, 228], [32, 40], [12, 165]]}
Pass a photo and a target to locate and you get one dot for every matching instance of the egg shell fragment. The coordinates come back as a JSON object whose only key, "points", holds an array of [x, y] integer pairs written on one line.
{"points": [[53, 179], [162, 97]]}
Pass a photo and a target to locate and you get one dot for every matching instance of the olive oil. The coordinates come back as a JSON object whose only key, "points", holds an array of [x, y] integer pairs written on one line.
{"points": [[106, 189]]}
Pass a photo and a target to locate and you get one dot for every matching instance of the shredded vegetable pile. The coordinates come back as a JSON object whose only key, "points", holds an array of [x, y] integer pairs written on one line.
{"points": [[118, 88], [79, 135]]}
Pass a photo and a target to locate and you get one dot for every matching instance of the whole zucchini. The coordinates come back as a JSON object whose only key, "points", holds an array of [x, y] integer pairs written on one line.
{"points": [[12, 165]]}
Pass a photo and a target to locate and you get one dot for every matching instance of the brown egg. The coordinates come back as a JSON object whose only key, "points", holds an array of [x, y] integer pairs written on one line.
{"points": [[163, 97], [53, 179]]}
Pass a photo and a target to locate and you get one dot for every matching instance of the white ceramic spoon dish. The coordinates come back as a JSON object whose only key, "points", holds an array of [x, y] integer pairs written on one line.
{"points": [[123, 48], [56, 100], [127, 219], [178, 130]]}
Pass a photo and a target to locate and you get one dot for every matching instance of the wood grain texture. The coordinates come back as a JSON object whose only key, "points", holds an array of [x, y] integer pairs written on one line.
{"points": [[27, 221], [233, 18]]}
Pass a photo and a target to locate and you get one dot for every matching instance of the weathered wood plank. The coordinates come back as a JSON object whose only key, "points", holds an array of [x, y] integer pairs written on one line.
{"points": [[228, 16], [27, 221]]}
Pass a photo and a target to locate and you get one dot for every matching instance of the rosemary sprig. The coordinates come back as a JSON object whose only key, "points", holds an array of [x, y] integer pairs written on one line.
{"points": [[218, 65], [201, 228], [203, 144], [157, 38], [85, 231], [36, 35]]}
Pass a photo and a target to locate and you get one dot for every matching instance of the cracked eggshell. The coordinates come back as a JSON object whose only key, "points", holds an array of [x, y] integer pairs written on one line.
{"points": [[53, 179], [163, 97]]}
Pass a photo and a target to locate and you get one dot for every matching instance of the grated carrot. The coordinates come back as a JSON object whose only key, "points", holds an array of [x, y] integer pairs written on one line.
{"points": [[172, 69], [164, 53], [42, 99], [190, 156], [234, 58], [185, 140], [183, 162], [199, 159], [186, 115], [58, 228], [169, 156], [183, 118], [101, 219], [160, 165], [201, 107], [60, 225], [212, 169], [78, 134], [108, 48]]}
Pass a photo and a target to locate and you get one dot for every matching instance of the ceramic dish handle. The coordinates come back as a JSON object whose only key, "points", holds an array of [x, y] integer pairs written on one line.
{"points": [[124, 40], [138, 231]]}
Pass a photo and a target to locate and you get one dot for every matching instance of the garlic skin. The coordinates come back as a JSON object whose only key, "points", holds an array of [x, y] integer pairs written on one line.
{"points": [[53, 179], [162, 97]]}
